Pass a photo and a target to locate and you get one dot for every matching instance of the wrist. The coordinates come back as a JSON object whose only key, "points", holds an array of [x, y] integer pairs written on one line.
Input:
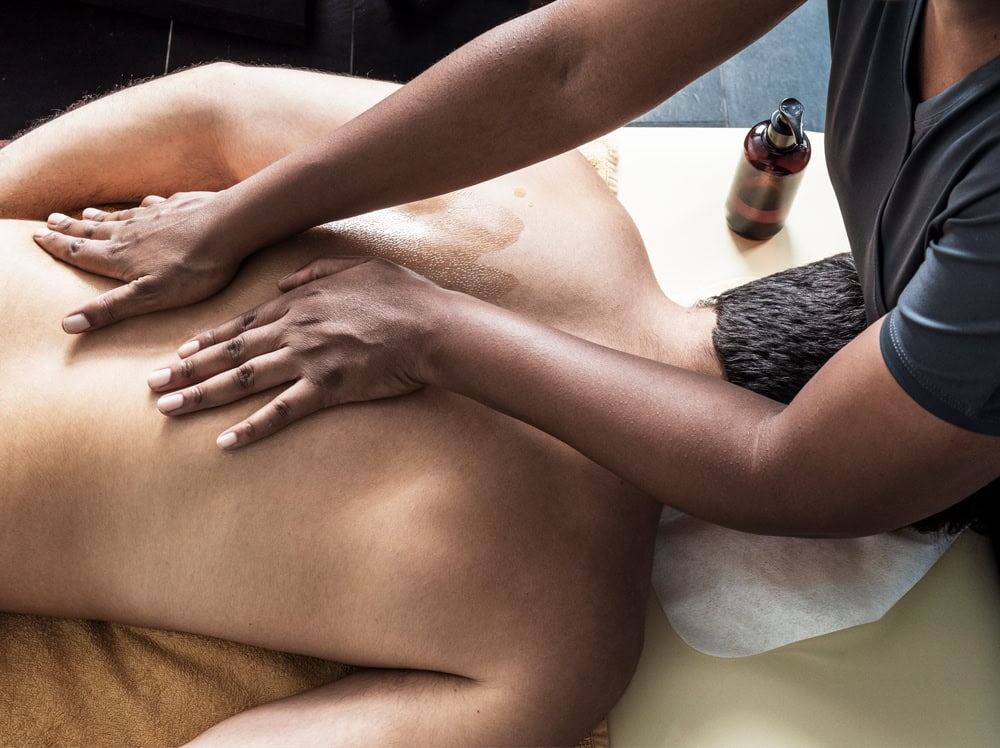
{"points": [[454, 322], [230, 226]]}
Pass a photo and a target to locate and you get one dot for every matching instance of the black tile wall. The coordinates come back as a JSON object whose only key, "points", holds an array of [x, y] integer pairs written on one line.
{"points": [[53, 52], [396, 41], [792, 60], [191, 45], [274, 20]]}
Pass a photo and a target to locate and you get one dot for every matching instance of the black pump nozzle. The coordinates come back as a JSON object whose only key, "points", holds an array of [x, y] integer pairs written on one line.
{"points": [[785, 130]]}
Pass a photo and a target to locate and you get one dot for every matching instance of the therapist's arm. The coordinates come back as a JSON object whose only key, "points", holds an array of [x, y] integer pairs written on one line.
{"points": [[852, 454], [529, 89]]}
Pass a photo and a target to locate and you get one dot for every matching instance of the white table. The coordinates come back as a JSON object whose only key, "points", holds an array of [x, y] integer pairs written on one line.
{"points": [[928, 673]]}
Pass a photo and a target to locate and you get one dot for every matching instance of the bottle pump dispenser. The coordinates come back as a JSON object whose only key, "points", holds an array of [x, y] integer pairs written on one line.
{"points": [[775, 152]]}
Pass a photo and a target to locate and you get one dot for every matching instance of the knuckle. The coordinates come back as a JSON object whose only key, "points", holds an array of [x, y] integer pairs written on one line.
{"points": [[310, 320], [313, 345], [235, 348], [76, 245], [247, 431], [247, 319], [245, 376], [107, 308], [282, 410], [187, 368], [196, 395], [145, 288]]}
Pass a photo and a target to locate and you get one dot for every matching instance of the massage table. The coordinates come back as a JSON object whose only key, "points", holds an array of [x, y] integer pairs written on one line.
{"points": [[927, 673]]}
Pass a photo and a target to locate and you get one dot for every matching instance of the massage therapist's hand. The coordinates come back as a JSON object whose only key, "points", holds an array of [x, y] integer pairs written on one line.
{"points": [[162, 250], [344, 330]]}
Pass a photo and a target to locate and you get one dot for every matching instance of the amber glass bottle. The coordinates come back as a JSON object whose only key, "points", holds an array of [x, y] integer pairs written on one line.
{"points": [[775, 152]]}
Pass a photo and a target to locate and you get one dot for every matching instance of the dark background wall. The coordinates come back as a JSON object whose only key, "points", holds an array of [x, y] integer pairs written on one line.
{"points": [[53, 52]]}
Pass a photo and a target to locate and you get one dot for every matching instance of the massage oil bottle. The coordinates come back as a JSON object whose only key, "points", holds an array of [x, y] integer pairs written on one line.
{"points": [[775, 152]]}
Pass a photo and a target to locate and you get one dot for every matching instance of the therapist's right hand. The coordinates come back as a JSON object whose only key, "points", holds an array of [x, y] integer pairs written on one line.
{"points": [[163, 250]]}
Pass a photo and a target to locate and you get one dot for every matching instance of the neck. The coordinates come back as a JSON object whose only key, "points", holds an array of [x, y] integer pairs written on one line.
{"points": [[957, 37]]}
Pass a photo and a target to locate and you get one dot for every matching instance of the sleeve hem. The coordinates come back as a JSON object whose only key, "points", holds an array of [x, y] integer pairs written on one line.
{"points": [[895, 360]]}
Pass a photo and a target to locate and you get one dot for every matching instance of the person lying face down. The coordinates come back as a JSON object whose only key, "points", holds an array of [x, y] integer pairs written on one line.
{"points": [[464, 558], [491, 581], [923, 369]]}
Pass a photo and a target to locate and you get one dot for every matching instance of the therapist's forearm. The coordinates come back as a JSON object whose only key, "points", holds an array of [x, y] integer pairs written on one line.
{"points": [[530, 89], [498, 103], [682, 437], [822, 466]]}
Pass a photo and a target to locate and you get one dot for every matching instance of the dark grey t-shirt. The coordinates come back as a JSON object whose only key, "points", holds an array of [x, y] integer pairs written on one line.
{"points": [[919, 188]]}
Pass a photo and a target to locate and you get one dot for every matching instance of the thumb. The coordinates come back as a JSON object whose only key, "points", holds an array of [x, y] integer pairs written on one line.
{"points": [[120, 303], [318, 269]]}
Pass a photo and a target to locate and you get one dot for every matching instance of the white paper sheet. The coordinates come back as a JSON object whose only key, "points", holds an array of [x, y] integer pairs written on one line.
{"points": [[732, 594]]}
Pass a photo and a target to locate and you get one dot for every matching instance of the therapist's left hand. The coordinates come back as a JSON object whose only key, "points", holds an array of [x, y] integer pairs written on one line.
{"points": [[344, 330]]}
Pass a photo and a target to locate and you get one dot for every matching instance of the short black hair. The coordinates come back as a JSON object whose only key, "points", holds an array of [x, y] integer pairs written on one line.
{"points": [[772, 335]]}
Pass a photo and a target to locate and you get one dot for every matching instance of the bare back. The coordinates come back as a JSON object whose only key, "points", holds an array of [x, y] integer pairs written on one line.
{"points": [[111, 511]]}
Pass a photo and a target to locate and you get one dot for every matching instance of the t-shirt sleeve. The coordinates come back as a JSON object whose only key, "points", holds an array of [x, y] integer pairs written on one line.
{"points": [[942, 340]]}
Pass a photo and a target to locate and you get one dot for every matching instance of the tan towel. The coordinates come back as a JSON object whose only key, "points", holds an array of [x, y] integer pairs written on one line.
{"points": [[88, 683]]}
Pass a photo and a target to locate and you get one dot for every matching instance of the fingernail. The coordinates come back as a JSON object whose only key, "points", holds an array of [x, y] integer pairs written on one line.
{"points": [[226, 440], [90, 212], [75, 323], [188, 348], [158, 378], [57, 218], [168, 403]]}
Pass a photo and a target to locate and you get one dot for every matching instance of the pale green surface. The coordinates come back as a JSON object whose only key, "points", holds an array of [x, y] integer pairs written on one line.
{"points": [[928, 673], [674, 183]]}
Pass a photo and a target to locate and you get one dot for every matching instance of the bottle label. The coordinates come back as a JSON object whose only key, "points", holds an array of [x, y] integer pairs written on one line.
{"points": [[758, 202]]}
